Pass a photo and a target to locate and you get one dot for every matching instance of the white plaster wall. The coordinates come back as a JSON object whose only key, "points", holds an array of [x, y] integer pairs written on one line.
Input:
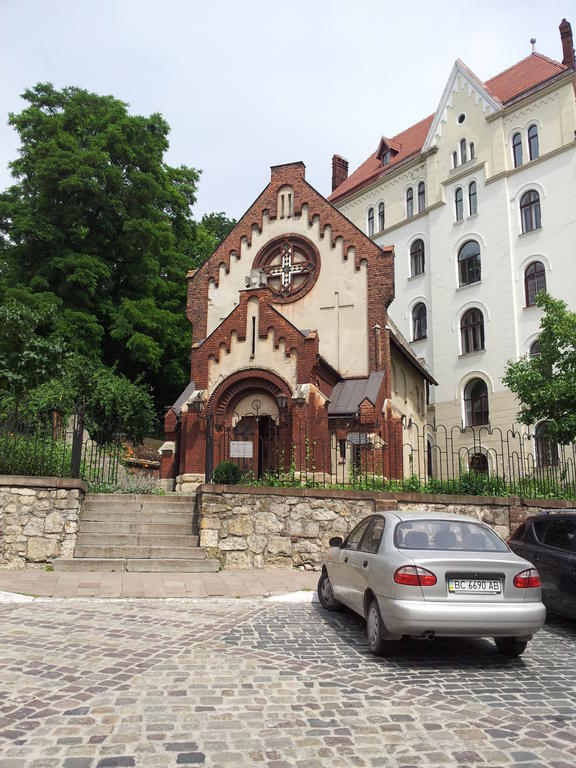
{"points": [[510, 327]]}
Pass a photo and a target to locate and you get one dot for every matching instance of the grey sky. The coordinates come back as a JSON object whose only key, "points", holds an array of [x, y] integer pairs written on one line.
{"points": [[245, 85]]}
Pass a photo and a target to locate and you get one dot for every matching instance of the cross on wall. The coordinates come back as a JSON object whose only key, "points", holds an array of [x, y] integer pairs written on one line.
{"points": [[288, 268], [338, 307]]}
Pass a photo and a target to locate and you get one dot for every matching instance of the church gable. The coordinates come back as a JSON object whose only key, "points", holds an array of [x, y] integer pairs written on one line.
{"points": [[310, 257]]}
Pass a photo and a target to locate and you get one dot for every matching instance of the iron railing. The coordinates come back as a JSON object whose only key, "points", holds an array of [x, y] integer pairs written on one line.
{"points": [[56, 447], [421, 458]]}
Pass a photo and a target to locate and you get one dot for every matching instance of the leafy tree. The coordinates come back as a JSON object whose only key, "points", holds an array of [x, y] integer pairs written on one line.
{"points": [[99, 225], [30, 350], [545, 384], [208, 234]]}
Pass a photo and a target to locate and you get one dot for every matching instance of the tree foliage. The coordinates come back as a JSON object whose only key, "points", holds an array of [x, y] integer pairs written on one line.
{"points": [[100, 227], [545, 384], [30, 349]]}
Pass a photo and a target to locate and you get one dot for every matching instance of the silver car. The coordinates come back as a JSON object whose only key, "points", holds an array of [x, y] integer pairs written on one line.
{"points": [[432, 575]]}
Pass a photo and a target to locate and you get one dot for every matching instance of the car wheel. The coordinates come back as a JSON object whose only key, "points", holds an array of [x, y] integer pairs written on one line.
{"points": [[510, 646], [375, 631], [325, 595]]}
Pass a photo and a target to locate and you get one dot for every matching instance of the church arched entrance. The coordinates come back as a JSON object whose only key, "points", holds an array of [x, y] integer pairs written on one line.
{"points": [[250, 428]]}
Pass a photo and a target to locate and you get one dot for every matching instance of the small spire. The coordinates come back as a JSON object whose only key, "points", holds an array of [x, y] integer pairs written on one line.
{"points": [[533, 44]]}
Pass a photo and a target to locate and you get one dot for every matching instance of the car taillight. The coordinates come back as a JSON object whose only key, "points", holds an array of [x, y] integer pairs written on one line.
{"points": [[526, 579], [414, 576]]}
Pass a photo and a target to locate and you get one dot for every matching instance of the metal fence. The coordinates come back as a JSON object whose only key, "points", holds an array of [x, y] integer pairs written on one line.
{"points": [[56, 447], [429, 459]]}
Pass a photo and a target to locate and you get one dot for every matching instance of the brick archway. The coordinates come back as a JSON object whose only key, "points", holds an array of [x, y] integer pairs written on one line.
{"points": [[242, 383]]}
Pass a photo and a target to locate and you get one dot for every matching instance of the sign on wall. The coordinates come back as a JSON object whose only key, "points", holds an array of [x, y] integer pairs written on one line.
{"points": [[240, 449]]}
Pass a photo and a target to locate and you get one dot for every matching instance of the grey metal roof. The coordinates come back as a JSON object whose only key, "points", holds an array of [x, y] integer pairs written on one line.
{"points": [[348, 394], [177, 407]]}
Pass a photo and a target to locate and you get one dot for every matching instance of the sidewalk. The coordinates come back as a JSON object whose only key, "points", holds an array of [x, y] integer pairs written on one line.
{"points": [[250, 583]]}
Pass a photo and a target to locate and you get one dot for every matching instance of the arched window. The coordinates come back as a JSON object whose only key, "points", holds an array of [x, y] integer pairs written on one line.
{"points": [[546, 447], [517, 149], [472, 331], [472, 151], [381, 217], [417, 258], [370, 222], [472, 198], [469, 267], [454, 159], [459, 203], [409, 203], [530, 211], [479, 463], [476, 403], [533, 147], [421, 197], [535, 348], [463, 152], [419, 324], [534, 282]]}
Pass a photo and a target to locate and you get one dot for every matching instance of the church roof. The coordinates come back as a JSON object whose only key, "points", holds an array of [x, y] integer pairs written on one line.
{"points": [[348, 394], [532, 71]]}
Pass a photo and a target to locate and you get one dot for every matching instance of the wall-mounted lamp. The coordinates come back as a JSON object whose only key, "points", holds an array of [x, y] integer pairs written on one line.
{"points": [[282, 401]]}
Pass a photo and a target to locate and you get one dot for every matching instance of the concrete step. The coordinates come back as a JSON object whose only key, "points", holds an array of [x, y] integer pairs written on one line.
{"points": [[135, 539], [139, 553], [140, 498], [103, 528], [95, 565], [126, 516]]}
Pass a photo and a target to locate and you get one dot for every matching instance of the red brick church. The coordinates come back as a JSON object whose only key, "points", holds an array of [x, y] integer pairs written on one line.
{"points": [[294, 361]]}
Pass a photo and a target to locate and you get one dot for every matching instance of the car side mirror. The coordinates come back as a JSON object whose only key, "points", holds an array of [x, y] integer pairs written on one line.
{"points": [[336, 541]]}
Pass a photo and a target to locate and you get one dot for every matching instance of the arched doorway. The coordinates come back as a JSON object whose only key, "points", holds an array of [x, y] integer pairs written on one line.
{"points": [[250, 429]]}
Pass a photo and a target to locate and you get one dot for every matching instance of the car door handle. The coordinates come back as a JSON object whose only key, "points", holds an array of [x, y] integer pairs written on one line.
{"points": [[365, 564]]}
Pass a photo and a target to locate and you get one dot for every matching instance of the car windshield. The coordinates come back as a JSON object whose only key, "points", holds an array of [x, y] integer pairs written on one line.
{"points": [[447, 535]]}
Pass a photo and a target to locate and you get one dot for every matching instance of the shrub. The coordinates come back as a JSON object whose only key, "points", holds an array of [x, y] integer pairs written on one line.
{"points": [[227, 473]]}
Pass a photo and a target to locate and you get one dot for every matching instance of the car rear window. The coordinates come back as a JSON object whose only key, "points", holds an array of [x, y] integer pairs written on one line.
{"points": [[447, 535]]}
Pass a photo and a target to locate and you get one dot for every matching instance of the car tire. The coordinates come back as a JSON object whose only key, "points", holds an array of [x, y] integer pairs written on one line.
{"points": [[510, 646], [376, 631], [325, 594]]}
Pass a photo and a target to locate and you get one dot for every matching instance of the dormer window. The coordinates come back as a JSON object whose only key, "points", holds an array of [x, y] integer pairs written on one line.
{"points": [[387, 150]]}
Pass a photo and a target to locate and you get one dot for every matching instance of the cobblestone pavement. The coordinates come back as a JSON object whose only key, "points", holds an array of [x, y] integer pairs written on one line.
{"points": [[100, 684]]}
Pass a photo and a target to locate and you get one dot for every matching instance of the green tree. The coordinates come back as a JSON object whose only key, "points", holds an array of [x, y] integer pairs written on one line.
{"points": [[99, 225], [209, 232], [545, 384], [31, 351]]}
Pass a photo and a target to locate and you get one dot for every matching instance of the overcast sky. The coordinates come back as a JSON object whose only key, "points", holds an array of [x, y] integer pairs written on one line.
{"points": [[249, 84]]}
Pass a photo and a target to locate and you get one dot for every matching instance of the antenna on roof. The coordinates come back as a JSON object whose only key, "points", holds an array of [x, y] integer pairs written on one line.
{"points": [[533, 43]]}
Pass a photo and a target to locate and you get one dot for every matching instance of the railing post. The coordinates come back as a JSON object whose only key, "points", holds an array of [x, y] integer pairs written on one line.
{"points": [[209, 466], [77, 434]]}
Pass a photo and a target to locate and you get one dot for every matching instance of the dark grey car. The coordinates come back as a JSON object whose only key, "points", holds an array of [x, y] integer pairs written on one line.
{"points": [[427, 575], [548, 540]]}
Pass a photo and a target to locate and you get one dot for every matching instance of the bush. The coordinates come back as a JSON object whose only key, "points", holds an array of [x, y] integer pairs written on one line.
{"points": [[227, 473]]}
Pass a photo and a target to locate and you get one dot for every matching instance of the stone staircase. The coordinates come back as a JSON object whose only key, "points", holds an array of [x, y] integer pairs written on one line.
{"points": [[148, 534]]}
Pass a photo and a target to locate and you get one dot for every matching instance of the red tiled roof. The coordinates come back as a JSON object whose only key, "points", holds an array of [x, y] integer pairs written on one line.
{"points": [[531, 71]]}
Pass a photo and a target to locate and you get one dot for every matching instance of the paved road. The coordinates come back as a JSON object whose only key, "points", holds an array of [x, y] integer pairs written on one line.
{"points": [[99, 684]]}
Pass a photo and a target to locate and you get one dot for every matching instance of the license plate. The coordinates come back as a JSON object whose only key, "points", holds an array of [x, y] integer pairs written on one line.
{"points": [[475, 586]]}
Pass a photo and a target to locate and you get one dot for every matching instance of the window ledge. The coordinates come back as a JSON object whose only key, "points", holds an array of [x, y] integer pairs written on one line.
{"points": [[420, 338], [473, 216], [458, 222], [415, 277], [471, 354], [530, 232], [468, 285]]}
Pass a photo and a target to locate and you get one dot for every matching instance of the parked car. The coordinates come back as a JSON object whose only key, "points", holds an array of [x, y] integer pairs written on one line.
{"points": [[432, 575], [548, 540]]}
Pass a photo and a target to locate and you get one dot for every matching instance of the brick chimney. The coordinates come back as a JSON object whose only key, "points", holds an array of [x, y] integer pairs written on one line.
{"points": [[340, 170], [567, 44]]}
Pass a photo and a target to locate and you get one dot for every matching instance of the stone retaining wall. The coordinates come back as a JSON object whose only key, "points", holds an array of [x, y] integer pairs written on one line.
{"points": [[290, 527], [38, 519]]}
